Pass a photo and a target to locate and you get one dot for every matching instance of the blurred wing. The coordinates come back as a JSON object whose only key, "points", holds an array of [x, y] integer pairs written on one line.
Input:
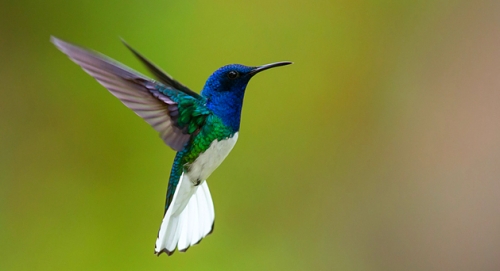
{"points": [[164, 77], [156, 104]]}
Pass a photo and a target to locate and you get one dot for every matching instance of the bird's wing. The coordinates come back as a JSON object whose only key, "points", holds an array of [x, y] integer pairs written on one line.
{"points": [[174, 113], [162, 76]]}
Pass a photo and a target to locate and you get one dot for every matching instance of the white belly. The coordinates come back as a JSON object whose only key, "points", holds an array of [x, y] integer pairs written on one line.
{"points": [[208, 161]]}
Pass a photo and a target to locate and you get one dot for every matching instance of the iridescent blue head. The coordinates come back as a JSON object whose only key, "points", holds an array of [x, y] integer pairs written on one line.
{"points": [[225, 90]]}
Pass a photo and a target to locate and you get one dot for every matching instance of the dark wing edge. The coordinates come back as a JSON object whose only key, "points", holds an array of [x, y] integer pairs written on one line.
{"points": [[162, 76], [134, 90]]}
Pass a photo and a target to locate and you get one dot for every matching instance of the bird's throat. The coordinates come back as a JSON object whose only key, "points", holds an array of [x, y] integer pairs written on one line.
{"points": [[227, 107]]}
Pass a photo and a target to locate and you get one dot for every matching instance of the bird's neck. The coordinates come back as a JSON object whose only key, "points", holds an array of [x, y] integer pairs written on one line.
{"points": [[226, 105]]}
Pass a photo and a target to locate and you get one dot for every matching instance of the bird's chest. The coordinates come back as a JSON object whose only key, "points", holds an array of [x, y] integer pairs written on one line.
{"points": [[201, 168]]}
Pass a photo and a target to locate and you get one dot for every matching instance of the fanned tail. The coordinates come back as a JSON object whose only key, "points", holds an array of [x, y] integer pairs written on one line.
{"points": [[189, 218]]}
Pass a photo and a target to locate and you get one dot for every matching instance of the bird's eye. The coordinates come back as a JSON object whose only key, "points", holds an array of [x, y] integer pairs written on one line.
{"points": [[232, 74]]}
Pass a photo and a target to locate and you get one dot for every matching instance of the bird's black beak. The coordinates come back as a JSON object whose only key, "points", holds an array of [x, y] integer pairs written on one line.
{"points": [[268, 66]]}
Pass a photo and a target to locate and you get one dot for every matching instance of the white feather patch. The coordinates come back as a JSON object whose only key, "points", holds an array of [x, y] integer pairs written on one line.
{"points": [[211, 159], [190, 216], [188, 219]]}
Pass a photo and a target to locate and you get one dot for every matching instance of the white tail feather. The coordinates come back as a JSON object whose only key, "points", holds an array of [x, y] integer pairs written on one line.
{"points": [[189, 218]]}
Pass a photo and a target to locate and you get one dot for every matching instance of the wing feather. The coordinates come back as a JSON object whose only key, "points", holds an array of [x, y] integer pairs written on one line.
{"points": [[155, 103], [164, 77]]}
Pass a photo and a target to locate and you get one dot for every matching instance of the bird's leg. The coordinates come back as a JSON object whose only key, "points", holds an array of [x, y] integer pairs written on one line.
{"points": [[197, 182]]}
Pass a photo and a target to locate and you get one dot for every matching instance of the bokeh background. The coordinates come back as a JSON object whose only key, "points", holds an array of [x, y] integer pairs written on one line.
{"points": [[379, 149]]}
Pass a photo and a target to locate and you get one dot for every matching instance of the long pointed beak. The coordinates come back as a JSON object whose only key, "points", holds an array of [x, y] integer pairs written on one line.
{"points": [[268, 66]]}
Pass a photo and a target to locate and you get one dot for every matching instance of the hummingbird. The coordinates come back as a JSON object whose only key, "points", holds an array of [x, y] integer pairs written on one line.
{"points": [[203, 128]]}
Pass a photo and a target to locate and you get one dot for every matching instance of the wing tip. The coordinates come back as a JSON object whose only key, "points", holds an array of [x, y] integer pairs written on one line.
{"points": [[53, 39], [59, 43], [129, 47]]}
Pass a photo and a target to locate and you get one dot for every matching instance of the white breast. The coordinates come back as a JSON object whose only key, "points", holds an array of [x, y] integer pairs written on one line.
{"points": [[208, 161]]}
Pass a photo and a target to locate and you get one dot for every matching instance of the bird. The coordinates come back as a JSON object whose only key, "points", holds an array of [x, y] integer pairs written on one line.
{"points": [[202, 128]]}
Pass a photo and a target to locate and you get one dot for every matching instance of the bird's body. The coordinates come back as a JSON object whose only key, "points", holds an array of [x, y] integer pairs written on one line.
{"points": [[203, 129]]}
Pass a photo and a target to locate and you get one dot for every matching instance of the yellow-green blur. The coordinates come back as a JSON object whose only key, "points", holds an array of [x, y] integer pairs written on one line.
{"points": [[378, 149]]}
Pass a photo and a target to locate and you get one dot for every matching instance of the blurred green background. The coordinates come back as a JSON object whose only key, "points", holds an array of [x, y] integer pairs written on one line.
{"points": [[379, 149]]}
